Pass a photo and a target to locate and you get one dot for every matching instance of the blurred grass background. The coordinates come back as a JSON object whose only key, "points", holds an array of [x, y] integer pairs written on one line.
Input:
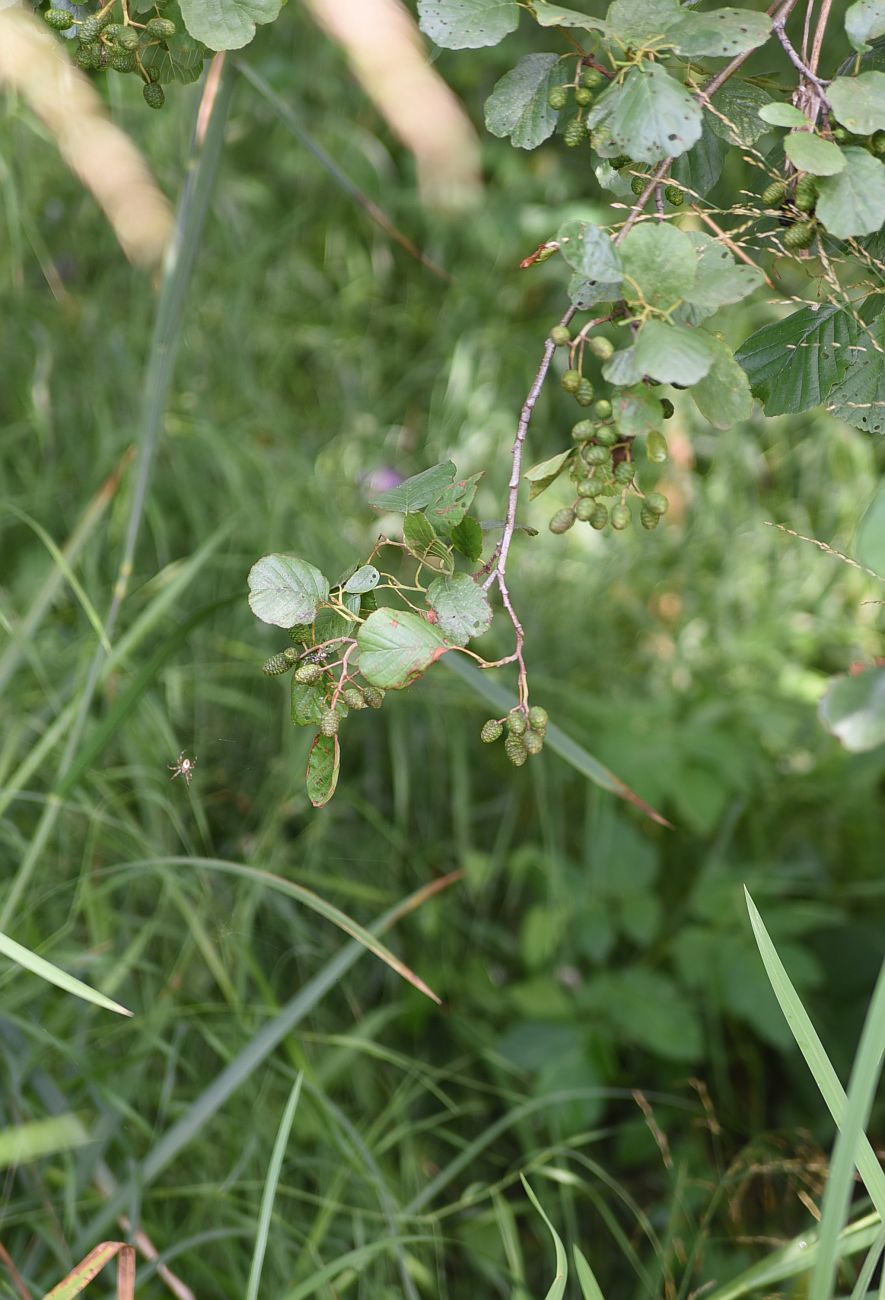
{"points": [[586, 953]]}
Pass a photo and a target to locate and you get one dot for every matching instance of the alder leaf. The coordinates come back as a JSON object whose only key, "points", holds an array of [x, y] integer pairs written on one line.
{"points": [[461, 606], [284, 590], [811, 153], [660, 265], [551, 15], [853, 203], [518, 107], [723, 395], [649, 115], [467, 24], [718, 33], [719, 279], [322, 769], [541, 476], [227, 24], [864, 22], [397, 646], [673, 354], [859, 102], [781, 114], [452, 504], [859, 396], [420, 537], [416, 492], [739, 103]]}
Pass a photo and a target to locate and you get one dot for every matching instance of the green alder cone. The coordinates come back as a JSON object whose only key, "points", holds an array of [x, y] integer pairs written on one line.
{"points": [[648, 518], [307, 674], [373, 696], [88, 58], [533, 742], [775, 194], [599, 517], [154, 97], [491, 731], [517, 723], [113, 30], [558, 97], [330, 722], [620, 516], [59, 19], [602, 409], [584, 395], [805, 197], [800, 235], [622, 160], [353, 696], [562, 521], [657, 503], [656, 447], [584, 509], [127, 39], [574, 133], [538, 718], [624, 472], [89, 31], [592, 78], [674, 195], [571, 381], [601, 347], [561, 335], [515, 749], [160, 28], [597, 455], [586, 488], [279, 663], [583, 431], [583, 96], [638, 184], [608, 435], [122, 61]]}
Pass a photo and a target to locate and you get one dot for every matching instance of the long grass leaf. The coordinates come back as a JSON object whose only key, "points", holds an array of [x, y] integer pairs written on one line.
{"points": [[868, 1268], [270, 1189], [40, 1137], [590, 1288], [557, 1286], [45, 970], [815, 1056]]}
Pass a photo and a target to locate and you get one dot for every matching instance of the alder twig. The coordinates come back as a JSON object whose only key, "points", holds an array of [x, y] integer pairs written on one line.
{"points": [[795, 58]]}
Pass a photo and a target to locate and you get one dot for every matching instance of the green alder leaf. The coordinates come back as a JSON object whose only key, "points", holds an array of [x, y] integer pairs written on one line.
{"points": [[853, 203], [859, 102], [637, 411], [739, 103], [416, 492], [467, 538], [853, 709], [397, 646], [781, 114], [660, 264], [467, 24], [551, 15], [322, 769], [864, 22], [640, 22], [649, 115], [308, 704], [461, 606], [420, 537], [793, 364], [869, 541], [590, 252], [227, 24], [700, 168], [718, 33], [719, 279], [859, 396], [518, 107], [811, 153], [623, 368], [585, 294], [452, 504], [673, 354], [365, 579], [180, 58], [284, 590], [723, 395], [541, 476]]}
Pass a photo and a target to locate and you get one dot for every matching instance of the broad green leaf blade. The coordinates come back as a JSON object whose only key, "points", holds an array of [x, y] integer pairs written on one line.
{"points": [[673, 354], [45, 970], [859, 102], [271, 1183], [585, 294], [781, 114], [365, 579], [590, 1288], [322, 769], [859, 396], [227, 24], [700, 168], [864, 22], [623, 368], [637, 411], [723, 395], [557, 1286], [420, 537], [467, 538], [869, 541], [853, 202], [649, 115], [738, 103], [867, 1162], [416, 492], [518, 107], [793, 364], [719, 279], [840, 1183], [541, 476], [397, 646], [811, 153], [718, 33], [179, 58], [284, 590], [660, 265], [640, 22], [556, 740], [462, 607], [447, 510], [590, 252], [551, 15], [467, 24], [308, 704], [853, 709], [37, 1138]]}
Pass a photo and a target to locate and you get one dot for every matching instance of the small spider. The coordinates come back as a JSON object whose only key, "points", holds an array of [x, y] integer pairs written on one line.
{"points": [[184, 767]]}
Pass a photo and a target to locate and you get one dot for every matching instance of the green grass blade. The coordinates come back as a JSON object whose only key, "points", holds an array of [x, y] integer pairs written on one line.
{"points": [[861, 1092], [45, 970], [557, 1286], [590, 1288], [865, 1276], [270, 1189], [579, 758], [816, 1059], [40, 1137], [352, 1261]]}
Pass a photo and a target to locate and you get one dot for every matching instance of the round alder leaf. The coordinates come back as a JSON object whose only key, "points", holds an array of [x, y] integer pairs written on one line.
{"points": [[811, 153], [640, 22], [638, 411], [737, 106], [365, 579], [518, 107], [859, 102], [723, 395], [541, 476], [322, 769], [551, 15], [673, 354], [227, 24], [864, 21], [719, 279], [284, 590], [853, 203], [467, 24], [650, 115], [462, 607], [590, 252], [853, 709], [780, 114], [660, 265], [308, 703], [718, 33], [397, 646], [623, 368]]}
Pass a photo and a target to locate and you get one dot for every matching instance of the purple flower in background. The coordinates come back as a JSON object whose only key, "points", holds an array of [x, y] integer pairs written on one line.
{"points": [[380, 480]]}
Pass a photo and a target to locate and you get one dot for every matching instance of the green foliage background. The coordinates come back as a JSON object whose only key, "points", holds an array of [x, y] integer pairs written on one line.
{"points": [[586, 952]]}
